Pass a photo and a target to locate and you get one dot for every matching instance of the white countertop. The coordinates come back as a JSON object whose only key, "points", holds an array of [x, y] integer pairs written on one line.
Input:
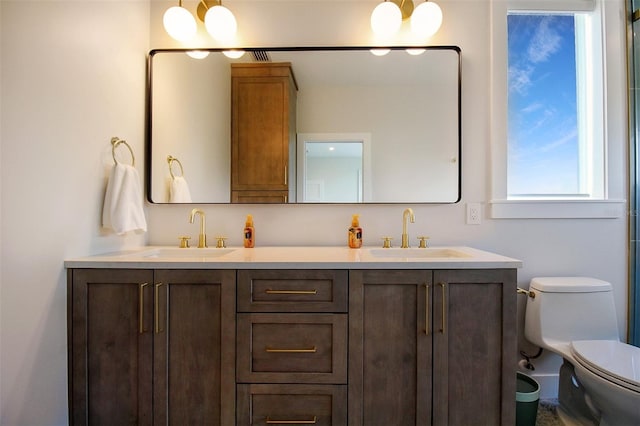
{"points": [[160, 257]]}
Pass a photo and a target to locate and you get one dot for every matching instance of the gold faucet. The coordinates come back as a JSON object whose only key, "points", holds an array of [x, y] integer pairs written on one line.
{"points": [[202, 238], [405, 236]]}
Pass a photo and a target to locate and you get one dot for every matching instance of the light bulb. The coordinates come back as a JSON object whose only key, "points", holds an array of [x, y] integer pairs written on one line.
{"points": [[198, 54], [233, 54], [386, 19], [179, 23], [416, 51], [220, 23], [379, 51], [426, 19]]}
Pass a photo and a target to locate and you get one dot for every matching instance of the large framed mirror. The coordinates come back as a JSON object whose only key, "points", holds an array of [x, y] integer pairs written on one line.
{"points": [[304, 125]]}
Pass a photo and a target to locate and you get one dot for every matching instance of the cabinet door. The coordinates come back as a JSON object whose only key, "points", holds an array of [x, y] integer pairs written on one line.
{"points": [[474, 347], [389, 348], [194, 347], [110, 346], [260, 133]]}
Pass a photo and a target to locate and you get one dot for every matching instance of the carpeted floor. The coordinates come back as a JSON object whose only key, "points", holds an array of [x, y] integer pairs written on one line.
{"points": [[547, 415]]}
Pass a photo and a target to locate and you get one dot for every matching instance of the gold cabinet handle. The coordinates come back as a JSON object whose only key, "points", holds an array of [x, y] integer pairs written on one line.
{"points": [[156, 309], [286, 176], [426, 309], [291, 351], [444, 308], [313, 421], [269, 291], [141, 306]]}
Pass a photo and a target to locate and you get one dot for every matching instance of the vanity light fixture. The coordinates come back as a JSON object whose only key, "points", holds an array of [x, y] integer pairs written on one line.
{"points": [[387, 17], [218, 20], [179, 23]]}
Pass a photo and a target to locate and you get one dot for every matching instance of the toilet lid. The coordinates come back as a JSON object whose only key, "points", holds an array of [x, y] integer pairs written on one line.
{"points": [[613, 360]]}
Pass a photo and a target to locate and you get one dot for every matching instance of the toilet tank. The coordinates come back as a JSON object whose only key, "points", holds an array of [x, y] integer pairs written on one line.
{"points": [[569, 308]]}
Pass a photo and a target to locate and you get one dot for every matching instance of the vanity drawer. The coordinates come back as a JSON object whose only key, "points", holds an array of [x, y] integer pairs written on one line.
{"points": [[292, 348], [292, 404], [292, 291]]}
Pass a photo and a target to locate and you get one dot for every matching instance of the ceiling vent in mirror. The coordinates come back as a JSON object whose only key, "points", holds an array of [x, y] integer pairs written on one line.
{"points": [[261, 56]]}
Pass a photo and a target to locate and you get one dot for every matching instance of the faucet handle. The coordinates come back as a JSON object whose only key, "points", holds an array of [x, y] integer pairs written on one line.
{"points": [[386, 242], [184, 241], [220, 243], [423, 242]]}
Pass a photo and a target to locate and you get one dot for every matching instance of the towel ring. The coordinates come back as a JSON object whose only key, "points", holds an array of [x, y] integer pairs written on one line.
{"points": [[115, 141], [171, 160]]}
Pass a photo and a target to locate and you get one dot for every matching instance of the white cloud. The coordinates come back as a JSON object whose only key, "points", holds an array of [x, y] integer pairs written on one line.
{"points": [[563, 139], [520, 79], [544, 43]]}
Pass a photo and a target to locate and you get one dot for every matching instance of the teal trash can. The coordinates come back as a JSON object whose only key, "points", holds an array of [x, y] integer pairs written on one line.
{"points": [[527, 397]]}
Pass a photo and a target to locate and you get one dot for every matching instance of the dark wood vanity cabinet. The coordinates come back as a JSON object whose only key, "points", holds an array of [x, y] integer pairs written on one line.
{"points": [[263, 132], [151, 347], [432, 347], [323, 347]]}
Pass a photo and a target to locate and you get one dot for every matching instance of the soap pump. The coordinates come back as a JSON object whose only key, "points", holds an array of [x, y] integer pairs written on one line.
{"points": [[355, 232], [249, 233]]}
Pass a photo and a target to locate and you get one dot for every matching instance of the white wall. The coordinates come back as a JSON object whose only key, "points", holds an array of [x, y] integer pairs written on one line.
{"points": [[73, 76]]}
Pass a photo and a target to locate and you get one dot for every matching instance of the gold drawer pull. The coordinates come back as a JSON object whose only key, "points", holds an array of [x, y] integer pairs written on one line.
{"points": [[269, 291], [156, 308], [291, 351], [443, 329], [141, 307], [426, 309], [313, 421]]}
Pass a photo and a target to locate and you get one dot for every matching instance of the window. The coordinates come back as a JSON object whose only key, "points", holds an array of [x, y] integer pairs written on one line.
{"points": [[555, 122], [575, 165]]}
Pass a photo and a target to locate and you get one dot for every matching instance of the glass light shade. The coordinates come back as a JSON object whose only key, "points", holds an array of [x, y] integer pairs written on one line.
{"points": [[179, 23], [416, 51], [233, 54], [380, 51], [220, 23], [386, 19], [426, 19], [198, 54]]}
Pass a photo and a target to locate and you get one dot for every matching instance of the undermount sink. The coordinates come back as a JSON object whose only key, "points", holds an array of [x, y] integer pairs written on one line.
{"points": [[193, 253], [418, 253]]}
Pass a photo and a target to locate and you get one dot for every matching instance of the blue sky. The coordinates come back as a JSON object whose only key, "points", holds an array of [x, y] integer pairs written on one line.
{"points": [[543, 137]]}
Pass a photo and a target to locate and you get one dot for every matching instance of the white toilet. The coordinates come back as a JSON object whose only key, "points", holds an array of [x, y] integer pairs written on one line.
{"points": [[575, 317]]}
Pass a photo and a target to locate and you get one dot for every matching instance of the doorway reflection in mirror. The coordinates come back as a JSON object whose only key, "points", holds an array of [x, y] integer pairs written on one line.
{"points": [[334, 168]]}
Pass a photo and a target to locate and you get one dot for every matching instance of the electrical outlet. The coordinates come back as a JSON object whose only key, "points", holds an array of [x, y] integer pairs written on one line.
{"points": [[473, 214]]}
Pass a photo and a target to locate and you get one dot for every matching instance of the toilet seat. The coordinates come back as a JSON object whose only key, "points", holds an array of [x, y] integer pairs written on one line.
{"points": [[612, 360]]}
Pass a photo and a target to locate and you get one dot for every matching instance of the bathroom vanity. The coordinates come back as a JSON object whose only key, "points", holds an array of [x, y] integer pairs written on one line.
{"points": [[292, 335]]}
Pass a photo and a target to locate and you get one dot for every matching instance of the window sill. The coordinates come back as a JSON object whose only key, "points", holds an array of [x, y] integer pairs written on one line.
{"points": [[556, 209]]}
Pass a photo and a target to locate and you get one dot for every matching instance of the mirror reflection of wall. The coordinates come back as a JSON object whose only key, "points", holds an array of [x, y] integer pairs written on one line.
{"points": [[187, 97]]}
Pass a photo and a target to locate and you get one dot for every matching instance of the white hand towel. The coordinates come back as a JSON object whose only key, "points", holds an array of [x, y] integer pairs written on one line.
{"points": [[179, 191], [122, 210]]}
